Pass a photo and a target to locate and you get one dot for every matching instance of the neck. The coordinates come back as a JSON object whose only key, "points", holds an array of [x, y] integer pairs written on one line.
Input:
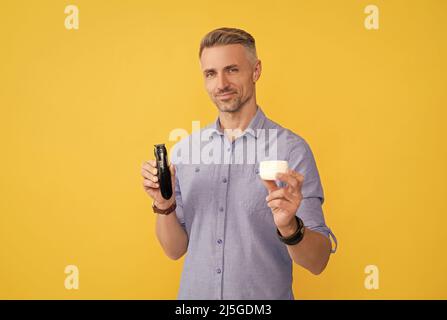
{"points": [[238, 121]]}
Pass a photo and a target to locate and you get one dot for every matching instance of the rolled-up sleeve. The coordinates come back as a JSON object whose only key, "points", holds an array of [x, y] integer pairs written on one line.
{"points": [[301, 160]]}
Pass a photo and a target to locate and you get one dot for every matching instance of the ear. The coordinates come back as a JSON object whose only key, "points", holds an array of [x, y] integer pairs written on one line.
{"points": [[257, 71]]}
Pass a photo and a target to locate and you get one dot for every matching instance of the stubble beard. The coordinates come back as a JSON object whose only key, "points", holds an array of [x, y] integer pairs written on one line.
{"points": [[232, 106]]}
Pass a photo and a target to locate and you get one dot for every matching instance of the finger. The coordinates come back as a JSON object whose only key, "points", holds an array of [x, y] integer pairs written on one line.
{"points": [[288, 178], [149, 172], [148, 166], [270, 185], [279, 194], [150, 169], [150, 184], [298, 176], [280, 204], [151, 163], [148, 175]]}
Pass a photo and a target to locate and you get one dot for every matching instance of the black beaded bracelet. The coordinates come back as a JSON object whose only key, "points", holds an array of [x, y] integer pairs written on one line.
{"points": [[296, 237]]}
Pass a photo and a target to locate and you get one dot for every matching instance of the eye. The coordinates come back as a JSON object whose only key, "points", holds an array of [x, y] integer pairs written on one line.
{"points": [[232, 70], [209, 74]]}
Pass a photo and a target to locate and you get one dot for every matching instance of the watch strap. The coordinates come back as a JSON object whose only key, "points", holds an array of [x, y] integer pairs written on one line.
{"points": [[164, 211], [296, 237]]}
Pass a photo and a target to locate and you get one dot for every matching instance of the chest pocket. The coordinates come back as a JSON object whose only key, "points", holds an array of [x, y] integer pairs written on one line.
{"points": [[197, 182], [254, 200]]}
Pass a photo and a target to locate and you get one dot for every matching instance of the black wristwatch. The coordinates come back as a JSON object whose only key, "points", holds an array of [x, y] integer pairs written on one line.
{"points": [[296, 237]]}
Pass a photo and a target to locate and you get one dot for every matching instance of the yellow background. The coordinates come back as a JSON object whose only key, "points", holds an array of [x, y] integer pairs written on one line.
{"points": [[82, 109]]}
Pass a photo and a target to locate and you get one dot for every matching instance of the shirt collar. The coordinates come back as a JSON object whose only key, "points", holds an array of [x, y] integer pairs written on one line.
{"points": [[257, 122]]}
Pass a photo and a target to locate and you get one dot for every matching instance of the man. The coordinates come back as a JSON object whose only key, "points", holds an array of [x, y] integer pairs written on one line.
{"points": [[240, 233]]}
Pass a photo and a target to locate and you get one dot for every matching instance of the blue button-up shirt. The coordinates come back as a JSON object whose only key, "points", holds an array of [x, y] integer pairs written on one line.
{"points": [[233, 249]]}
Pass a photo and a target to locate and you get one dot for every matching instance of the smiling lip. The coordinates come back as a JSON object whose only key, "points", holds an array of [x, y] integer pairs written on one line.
{"points": [[225, 96]]}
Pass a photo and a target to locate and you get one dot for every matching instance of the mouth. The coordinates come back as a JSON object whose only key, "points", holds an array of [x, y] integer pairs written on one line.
{"points": [[225, 96]]}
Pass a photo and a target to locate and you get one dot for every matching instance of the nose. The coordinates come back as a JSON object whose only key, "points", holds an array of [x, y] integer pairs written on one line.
{"points": [[222, 82]]}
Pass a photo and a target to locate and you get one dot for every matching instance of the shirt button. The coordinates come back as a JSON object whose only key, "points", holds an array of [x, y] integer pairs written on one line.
{"points": [[221, 209], [224, 180], [257, 171], [219, 241], [197, 169], [218, 270]]}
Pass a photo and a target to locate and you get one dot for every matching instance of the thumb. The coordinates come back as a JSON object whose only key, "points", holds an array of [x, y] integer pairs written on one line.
{"points": [[270, 185]]}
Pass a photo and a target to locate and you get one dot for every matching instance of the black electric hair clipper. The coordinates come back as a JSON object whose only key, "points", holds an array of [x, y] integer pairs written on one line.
{"points": [[163, 172]]}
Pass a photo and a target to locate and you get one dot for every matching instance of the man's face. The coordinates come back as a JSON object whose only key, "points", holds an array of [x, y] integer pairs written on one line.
{"points": [[230, 75]]}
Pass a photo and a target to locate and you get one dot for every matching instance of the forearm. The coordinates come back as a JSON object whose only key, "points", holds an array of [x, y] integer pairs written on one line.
{"points": [[312, 252], [171, 235]]}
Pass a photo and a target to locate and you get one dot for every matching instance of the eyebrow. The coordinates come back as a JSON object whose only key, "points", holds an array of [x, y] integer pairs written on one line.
{"points": [[226, 68]]}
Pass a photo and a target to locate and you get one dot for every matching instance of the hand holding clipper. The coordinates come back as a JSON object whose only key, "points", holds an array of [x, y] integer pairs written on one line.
{"points": [[163, 172]]}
